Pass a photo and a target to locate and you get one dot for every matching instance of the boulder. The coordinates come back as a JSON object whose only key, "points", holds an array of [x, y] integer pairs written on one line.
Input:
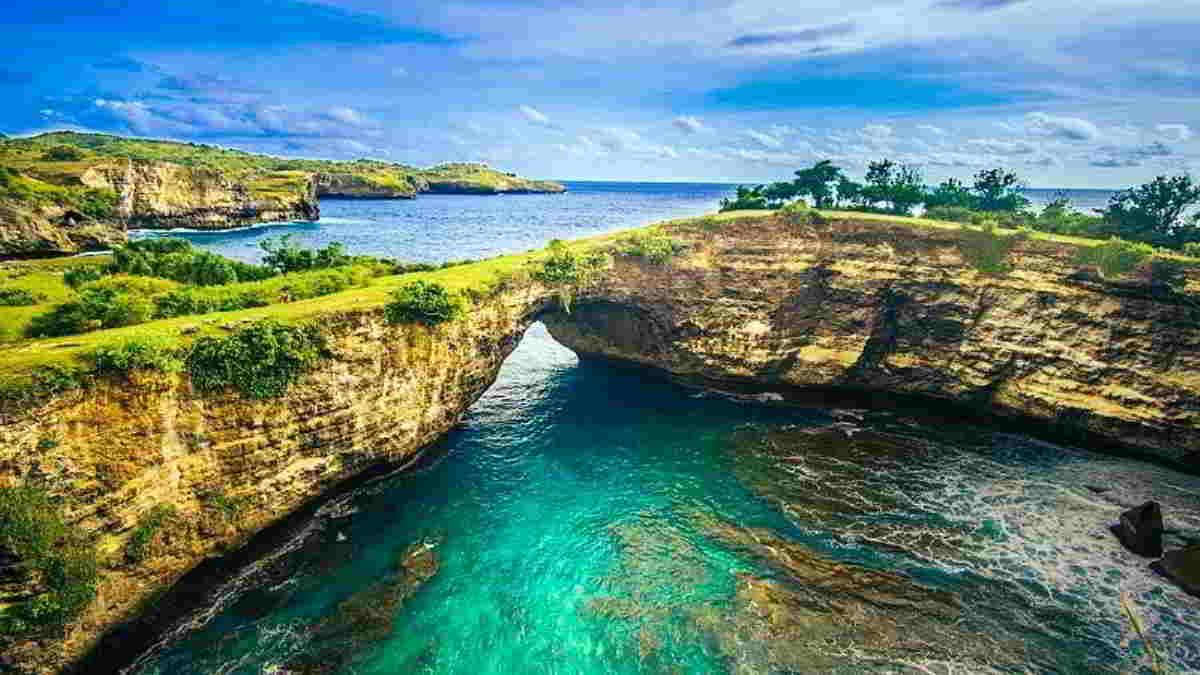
{"points": [[1141, 530], [1183, 567]]}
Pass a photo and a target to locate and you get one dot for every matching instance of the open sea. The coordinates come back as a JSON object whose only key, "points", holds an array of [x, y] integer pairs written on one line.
{"points": [[591, 520]]}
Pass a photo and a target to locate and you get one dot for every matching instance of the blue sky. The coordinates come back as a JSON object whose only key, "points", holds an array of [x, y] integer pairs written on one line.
{"points": [[1068, 94]]}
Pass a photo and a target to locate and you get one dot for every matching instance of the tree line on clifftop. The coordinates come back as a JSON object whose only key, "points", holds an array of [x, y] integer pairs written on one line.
{"points": [[1154, 213]]}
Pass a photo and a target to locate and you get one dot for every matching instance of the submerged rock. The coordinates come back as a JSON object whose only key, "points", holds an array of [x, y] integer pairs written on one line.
{"points": [[1141, 530], [1183, 567], [368, 616]]}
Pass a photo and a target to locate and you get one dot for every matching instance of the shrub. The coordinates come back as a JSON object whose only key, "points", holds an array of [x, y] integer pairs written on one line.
{"points": [[63, 153], [986, 250], [426, 302], [799, 213], [954, 214], [1192, 249], [260, 360], [137, 547], [178, 260], [656, 247], [1116, 257], [284, 256], [33, 530], [152, 353], [131, 285], [82, 274], [19, 297], [94, 309]]}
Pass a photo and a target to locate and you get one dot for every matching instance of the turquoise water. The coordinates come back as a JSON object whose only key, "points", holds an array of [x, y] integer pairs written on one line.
{"points": [[585, 519]]}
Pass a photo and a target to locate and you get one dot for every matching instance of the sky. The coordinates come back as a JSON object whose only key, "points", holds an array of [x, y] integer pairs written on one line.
{"points": [[1099, 94]]}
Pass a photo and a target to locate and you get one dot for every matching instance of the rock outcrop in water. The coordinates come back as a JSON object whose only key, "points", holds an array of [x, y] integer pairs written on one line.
{"points": [[1141, 530], [754, 305]]}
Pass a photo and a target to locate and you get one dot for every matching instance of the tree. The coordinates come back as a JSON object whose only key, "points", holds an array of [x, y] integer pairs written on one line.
{"points": [[1153, 212], [63, 153], [951, 192], [901, 185], [849, 192], [746, 198], [999, 190], [779, 193], [819, 182]]}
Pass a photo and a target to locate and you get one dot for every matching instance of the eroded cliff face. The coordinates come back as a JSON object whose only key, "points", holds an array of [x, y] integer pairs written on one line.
{"points": [[126, 447], [168, 196], [761, 306], [357, 186], [758, 306], [37, 231]]}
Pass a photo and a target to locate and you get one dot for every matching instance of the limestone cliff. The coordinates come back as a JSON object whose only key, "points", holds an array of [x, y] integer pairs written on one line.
{"points": [[763, 306], [39, 230], [363, 186], [126, 447], [168, 196]]}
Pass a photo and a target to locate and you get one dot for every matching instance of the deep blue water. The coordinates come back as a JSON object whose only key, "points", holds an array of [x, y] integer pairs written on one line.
{"points": [[436, 228], [590, 520]]}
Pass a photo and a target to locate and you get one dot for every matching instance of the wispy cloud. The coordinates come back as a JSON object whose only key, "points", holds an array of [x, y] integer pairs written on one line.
{"points": [[977, 5], [688, 124], [1069, 128], [534, 115], [788, 37]]}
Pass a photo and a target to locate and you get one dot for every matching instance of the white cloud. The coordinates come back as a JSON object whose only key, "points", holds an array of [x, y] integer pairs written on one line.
{"points": [[688, 124], [534, 115], [876, 132], [765, 140], [346, 115], [929, 128], [1174, 132], [1069, 128], [1003, 147]]}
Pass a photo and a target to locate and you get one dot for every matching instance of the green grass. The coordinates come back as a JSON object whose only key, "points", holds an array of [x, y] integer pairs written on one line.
{"points": [[43, 279], [282, 177], [18, 360]]}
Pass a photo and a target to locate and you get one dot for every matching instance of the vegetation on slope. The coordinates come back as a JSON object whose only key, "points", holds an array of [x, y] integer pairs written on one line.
{"points": [[1155, 213], [59, 158]]}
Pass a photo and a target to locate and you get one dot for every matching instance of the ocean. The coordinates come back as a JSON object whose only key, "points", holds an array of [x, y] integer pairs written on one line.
{"points": [[586, 519]]}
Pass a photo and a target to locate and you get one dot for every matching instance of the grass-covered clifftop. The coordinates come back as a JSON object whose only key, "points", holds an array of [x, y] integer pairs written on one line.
{"points": [[60, 155], [65, 192]]}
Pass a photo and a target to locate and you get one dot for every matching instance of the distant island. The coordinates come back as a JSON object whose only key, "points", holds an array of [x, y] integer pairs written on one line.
{"points": [[67, 192]]}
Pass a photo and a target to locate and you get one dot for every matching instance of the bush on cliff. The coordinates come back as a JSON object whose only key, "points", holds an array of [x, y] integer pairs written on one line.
{"points": [[260, 360], [283, 256], [654, 246], [138, 353], [44, 548], [95, 308], [18, 297], [987, 250], [138, 546], [426, 302], [178, 260], [1119, 259]]}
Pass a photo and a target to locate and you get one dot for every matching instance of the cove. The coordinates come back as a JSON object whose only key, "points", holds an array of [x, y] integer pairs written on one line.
{"points": [[589, 519]]}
